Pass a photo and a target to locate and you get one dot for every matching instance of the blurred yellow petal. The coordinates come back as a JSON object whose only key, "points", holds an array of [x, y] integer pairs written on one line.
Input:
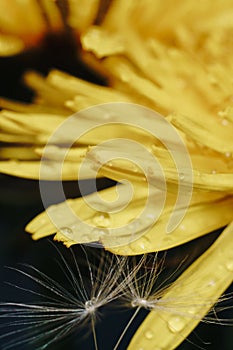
{"points": [[31, 108], [82, 13], [23, 153], [9, 45]]}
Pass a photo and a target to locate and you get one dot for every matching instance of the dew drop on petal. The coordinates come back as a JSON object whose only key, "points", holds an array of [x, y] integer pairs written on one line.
{"points": [[149, 334], [224, 122], [228, 154], [182, 227], [181, 176], [141, 244], [102, 219], [211, 283], [229, 265], [192, 310], [176, 324], [109, 116], [66, 231], [97, 233]]}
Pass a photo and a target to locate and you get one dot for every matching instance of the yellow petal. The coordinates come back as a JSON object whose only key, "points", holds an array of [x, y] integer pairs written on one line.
{"points": [[199, 219], [22, 153], [31, 108], [214, 135], [10, 45], [112, 214], [49, 170], [82, 13], [209, 276]]}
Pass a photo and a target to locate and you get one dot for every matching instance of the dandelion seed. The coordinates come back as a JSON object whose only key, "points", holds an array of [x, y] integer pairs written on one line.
{"points": [[151, 287], [61, 310]]}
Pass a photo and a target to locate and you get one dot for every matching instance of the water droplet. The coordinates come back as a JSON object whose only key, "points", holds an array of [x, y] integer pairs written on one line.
{"points": [[224, 122], [66, 231], [229, 265], [101, 219], [150, 218], [142, 243], [222, 114], [182, 227], [181, 176], [97, 233], [211, 283], [228, 154], [192, 310], [149, 334], [176, 324]]}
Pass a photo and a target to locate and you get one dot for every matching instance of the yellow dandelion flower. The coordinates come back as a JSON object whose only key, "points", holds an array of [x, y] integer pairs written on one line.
{"points": [[162, 130]]}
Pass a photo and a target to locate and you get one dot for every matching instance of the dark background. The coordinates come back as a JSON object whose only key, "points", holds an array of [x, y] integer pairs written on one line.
{"points": [[20, 202]]}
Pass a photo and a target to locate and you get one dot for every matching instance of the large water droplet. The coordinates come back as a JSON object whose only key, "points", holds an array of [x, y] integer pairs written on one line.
{"points": [[66, 231], [149, 334], [176, 324], [102, 219], [229, 265]]}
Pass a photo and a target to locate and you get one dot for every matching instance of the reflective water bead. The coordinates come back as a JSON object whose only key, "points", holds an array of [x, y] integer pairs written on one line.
{"points": [[66, 231], [149, 334], [176, 324], [102, 219], [229, 265]]}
